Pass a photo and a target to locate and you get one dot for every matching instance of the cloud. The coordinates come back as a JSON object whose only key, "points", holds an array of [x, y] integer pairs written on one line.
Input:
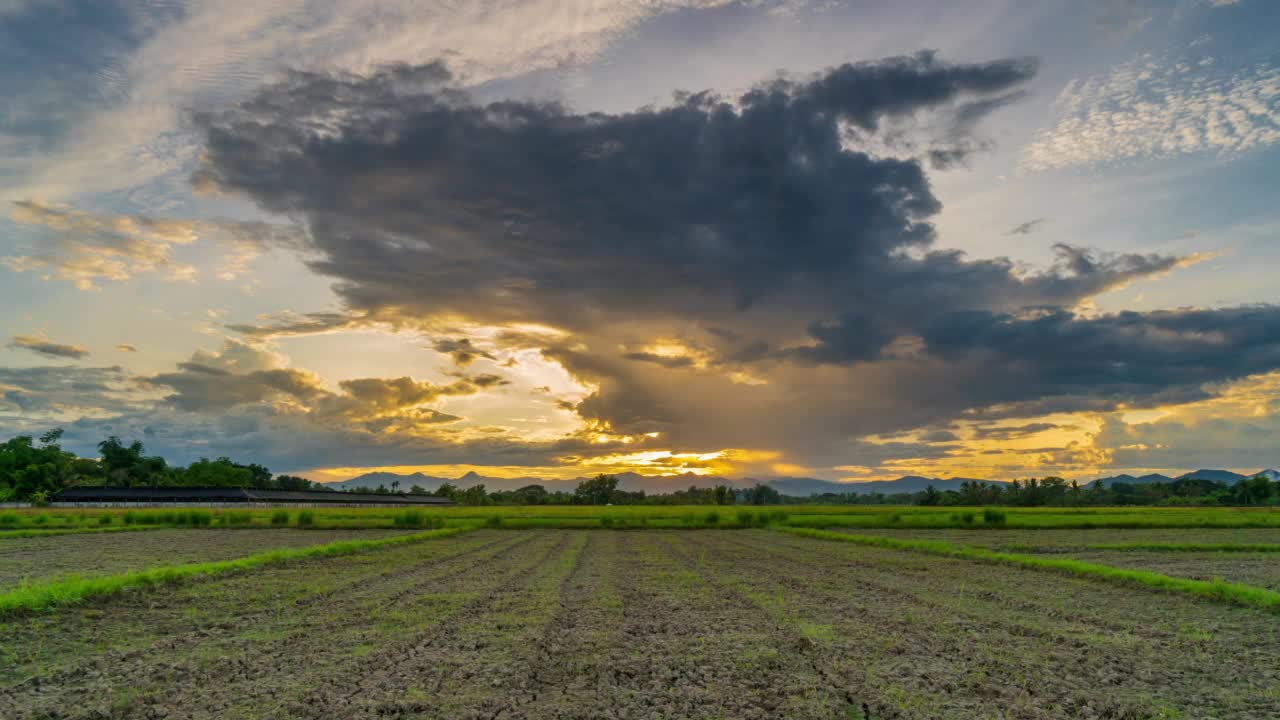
{"points": [[240, 374], [43, 396], [584, 213], [1025, 228], [747, 229], [462, 350], [245, 402], [42, 345], [86, 248], [123, 347], [723, 272], [1235, 429], [1131, 358], [162, 60], [1148, 108], [1004, 432]]}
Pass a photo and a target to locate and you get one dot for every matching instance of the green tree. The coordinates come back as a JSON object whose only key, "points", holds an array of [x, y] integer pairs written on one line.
{"points": [[761, 494], [474, 495], [723, 495], [215, 473], [596, 491], [29, 472], [930, 496], [293, 482], [127, 465]]}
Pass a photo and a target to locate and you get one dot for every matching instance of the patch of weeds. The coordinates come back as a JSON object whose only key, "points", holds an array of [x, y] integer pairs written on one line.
{"points": [[235, 518], [493, 521], [40, 519], [992, 516], [306, 518], [104, 519], [712, 518], [816, 632], [280, 517], [606, 521], [9, 519], [409, 519], [123, 698]]}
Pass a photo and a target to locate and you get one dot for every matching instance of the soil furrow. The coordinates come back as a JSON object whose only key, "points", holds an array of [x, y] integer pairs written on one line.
{"points": [[429, 668], [219, 642], [144, 620], [946, 658]]}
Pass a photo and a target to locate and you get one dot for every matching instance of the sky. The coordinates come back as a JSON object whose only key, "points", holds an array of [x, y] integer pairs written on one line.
{"points": [[536, 238]]}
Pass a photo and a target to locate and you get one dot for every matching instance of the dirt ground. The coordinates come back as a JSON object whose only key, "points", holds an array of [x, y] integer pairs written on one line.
{"points": [[39, 559], [1258, 569], [641, 624]]}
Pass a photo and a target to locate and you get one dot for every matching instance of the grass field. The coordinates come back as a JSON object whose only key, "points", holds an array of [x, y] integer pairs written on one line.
{"points": [[516, 621], [41, 520]]}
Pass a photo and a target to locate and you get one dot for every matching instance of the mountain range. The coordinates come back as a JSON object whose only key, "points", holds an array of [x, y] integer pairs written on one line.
{"points": [[794, 486]]}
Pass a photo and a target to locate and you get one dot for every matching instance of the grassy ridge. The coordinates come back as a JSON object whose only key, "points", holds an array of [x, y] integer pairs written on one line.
{"points": [[1149, 547], [36, 532], [46, 596], [1214, 590], [569, 516]]}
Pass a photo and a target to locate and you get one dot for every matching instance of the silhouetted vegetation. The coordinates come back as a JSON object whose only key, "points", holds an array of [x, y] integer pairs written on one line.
{"points": [[33, 469]]}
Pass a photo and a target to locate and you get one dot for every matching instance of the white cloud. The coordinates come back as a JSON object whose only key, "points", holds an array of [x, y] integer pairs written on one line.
{"points": [[86, 248], [220, 50], [1148, 109]]}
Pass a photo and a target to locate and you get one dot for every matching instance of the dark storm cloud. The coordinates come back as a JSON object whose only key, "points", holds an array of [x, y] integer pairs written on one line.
{"points": [[942, 280], [422, 200], [750, 224], [48, 348], [1126, 357]]}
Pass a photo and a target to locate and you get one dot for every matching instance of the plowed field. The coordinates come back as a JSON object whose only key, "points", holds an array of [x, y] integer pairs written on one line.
{"points": [[641, 624]]}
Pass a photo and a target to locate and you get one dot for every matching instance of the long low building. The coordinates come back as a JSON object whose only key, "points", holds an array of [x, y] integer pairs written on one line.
{"points": [[140, 496]]}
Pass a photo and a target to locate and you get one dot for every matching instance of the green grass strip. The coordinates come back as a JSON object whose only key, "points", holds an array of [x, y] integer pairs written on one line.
{"points": [[35, 532], [1188, 547], [1149, 547], [59, 593], [1217, 590]]}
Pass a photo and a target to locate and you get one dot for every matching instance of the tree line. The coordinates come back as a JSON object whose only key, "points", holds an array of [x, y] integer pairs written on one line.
{"points": [[33, 469], [1057, 492], [603, 490]]}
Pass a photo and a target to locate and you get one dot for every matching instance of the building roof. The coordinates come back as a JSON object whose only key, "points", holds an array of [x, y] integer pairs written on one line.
{"points": [[189, 494]]}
